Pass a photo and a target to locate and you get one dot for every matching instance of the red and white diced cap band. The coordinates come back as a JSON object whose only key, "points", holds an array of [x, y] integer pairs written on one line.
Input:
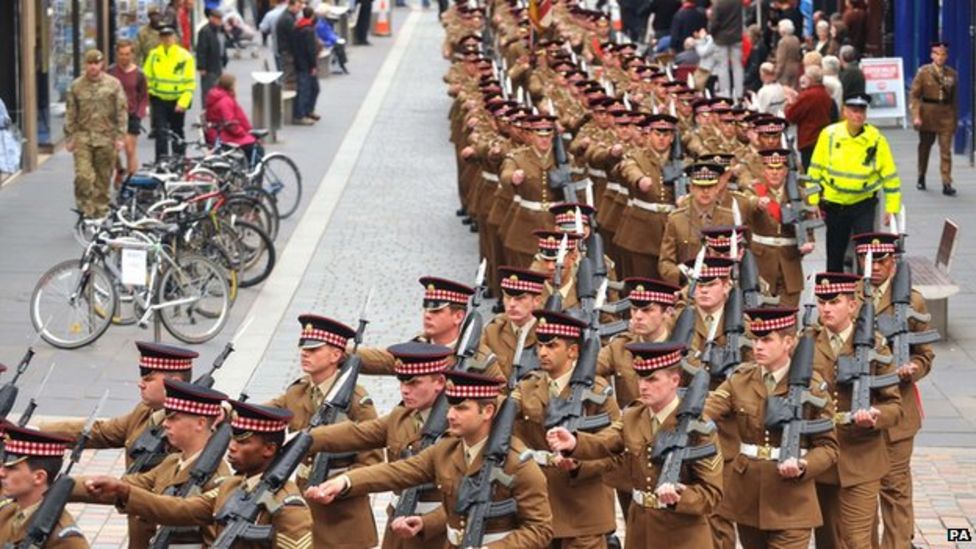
{"points": [[21, 442], [442, 291], [876, 243], [415, 358], [191, 407], [157, 356], [258, 425], [648, 290], [463, 385], [259, 418], [518, 281], [552, 324], [649, 357], [766, 320], [317, 330], [828, 284]]}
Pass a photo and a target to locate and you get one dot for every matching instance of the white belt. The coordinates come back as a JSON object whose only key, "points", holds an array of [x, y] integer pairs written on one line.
{"points": [[777, 241], [576, 170], [488, 176], [763, 452], [618, 188], [648, 500], [530, 205], [597, 173], [456, 537], [423, 507], [567, 136], [656, 207]]}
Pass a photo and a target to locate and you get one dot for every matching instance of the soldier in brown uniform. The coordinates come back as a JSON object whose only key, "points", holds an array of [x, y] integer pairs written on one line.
{"points": [[191, 411], [932, 101], [642, 225], [605, 158], [669, 515], [521, 294], [157, 362], [474, 400], [420, 368], [896, 486], [31, 462], [773, 504], [323, 350], [566, 223], [682, 234], [848, 491], [546, 261], [583, 510], [766, 133], [258, 435]]}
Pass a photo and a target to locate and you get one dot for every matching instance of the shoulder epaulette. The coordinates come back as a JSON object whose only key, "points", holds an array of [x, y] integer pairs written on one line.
{"points": [[293, 501], [70, 532]]}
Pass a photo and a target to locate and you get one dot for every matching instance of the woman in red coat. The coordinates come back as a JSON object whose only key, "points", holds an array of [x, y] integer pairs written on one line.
{"points": [[226, 118], [811, 110]]}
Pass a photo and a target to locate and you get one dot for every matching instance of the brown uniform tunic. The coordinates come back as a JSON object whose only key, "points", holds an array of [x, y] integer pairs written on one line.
{"points": [[682, 237], [500, 337], [642, 222], [13, 527], [774, 246], [530, 210], [933, 99]]}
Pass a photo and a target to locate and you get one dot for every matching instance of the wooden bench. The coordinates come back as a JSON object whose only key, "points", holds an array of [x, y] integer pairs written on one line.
{"points": [[932, 280], [288, 106]]}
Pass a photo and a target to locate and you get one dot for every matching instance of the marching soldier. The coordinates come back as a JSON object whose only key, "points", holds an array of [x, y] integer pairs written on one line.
{"points": [[31, 463], [546, 262], [95, 124], [773, 504], [258, 436], [682, 234], [848, 491], [565, 213], [322, 343], [191, 411], [932, 101], [420, 368], [605, 158], [896, 485], [474, 400], [766, 133], [157, 363], [521, 294], [583, 510], [669, 515]]}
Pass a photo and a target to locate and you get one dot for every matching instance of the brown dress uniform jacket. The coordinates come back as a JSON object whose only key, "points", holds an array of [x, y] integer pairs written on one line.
{"points": [[755, 491], [933, 98], [398, 432], [500, 338], [683, 525], [13, 528], [292, 522], [533, 189], [863, 456], [778, 265], [581, 504], [682, 237], [616, 363], [641, 229], [444, 465], [348, 523]]}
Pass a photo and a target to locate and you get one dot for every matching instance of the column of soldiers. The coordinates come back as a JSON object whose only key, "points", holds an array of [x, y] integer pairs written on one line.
{"points": [[713, 417]]}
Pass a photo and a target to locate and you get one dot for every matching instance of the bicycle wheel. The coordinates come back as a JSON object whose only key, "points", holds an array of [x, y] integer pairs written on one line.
{"points": [[259, 253], [268, 201], [74, 307], [243, 207], [279, 175], [198, 298]]}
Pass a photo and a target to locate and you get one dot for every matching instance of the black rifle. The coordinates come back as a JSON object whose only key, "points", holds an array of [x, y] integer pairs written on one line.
{"points": [[471, 327], [787, 414], [8, 393], [28, 412], [674, 171], [895, 327], [45, 519], [672, 448], [430, 433], [856, 370], [795, 208], [555, 300], [748, 282], [524, 361], [561, 174], [684, 327], [203, 470]]}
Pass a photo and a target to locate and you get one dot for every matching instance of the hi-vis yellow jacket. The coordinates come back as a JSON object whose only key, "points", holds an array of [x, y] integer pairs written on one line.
{"points": [[171, 74], [851, 169]]}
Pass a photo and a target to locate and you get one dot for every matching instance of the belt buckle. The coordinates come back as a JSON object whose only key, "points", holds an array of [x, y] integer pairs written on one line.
{"points": [[764, 452], [841, 418], [650, 500]]}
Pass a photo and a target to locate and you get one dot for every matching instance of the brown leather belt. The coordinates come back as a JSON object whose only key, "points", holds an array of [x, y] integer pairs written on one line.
{"points": [[935, 101]]}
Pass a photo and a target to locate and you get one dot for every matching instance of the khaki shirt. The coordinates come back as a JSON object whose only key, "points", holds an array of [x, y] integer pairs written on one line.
{"points": [[97, 112]]}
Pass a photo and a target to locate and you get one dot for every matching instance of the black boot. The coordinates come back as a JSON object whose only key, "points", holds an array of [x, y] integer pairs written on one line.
{"points": [[921, 183], [473, 227], [948, 190], [461, 212]]}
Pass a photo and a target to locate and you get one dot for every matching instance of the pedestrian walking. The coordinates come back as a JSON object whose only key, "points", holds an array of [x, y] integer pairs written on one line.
{"points": [[148, 36], [285, 33], [306, 50], [725, 26], [137, 98], [934, 114], [95, 125], [171, 73], [211, 53]]}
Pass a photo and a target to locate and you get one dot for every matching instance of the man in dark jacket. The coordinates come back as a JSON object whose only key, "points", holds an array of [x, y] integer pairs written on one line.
{"points": [[663, 11], [285, 33], [306, 51], [211, 55], [361, 37], [851, 77], [690, 18], [725, 26]]}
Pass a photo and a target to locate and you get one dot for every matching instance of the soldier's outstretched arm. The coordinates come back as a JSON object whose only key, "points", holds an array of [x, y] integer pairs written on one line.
{"points": [[922, 354], [171, 510], [350, 436], [375, 361], [398, 475], [105, 433]]}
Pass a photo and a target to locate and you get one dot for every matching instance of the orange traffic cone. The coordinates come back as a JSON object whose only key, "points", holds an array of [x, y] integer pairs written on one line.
{"points": [[382, 25]]}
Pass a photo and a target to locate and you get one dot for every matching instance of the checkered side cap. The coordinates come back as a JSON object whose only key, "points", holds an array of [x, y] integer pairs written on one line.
{"points": [[515, 284], [310, 332], [158, 363], [770, 127], [551, 243], [656, 363], [258, 425], [191, 406], [724, 241], [771, 324], [435, 294], [420, 368], [557, 330], [715, 272], [459, 391], [775, 159], [875, 248], [570, 218], [646, 296], [835, 288], [35, 449]]}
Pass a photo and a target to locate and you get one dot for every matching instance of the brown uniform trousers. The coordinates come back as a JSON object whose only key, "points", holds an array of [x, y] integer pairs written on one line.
{"points": [[591, 135], [582, 505], [643, 220], [119, 432], [491, 153], [164, 478], [615, 194], [682, 237], [683, 525], [848, 491], [755, 490], [933, 99], [530, 209], [444, 465], [292, 523], [897, 512], [777, 256], [398, 431], [349, 523], [499, 337], [13, 528]]}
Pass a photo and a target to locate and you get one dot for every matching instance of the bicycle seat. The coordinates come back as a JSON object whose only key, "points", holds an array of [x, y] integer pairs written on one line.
{"points": [[261, 133]]}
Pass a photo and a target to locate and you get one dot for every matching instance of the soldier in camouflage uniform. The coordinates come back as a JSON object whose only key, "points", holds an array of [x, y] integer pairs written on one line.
{"points": [[95, 124]]}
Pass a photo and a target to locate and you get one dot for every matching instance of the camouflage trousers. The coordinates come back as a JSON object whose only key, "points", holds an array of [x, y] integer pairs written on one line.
{"points": [[94, 165]]}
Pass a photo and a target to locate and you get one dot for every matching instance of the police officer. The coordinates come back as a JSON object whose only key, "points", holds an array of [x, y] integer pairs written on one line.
{"points": [[852, 162], [171, 75], [932, 101], [96, 119]]}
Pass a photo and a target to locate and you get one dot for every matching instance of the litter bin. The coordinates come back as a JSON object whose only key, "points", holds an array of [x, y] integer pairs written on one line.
{"points": [[266, 101]]}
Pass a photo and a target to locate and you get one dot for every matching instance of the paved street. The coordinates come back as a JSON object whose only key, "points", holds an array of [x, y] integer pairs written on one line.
{"points": [[378, 209]]}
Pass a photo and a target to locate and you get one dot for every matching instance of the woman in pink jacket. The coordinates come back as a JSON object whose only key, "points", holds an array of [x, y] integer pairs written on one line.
{"points": [[226, 117]]}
